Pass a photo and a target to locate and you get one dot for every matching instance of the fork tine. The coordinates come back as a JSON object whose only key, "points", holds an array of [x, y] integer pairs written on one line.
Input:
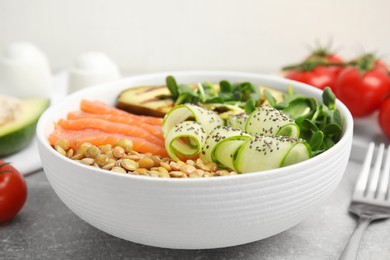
{"points": [[372, 184], [383, 189], [361, 183]]}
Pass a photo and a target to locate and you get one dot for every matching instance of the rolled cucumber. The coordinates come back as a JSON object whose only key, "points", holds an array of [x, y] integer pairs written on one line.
{"points": [[237, 121], [265, 120], [189, 112], [221, 146], [270, 152], [185, 140]]}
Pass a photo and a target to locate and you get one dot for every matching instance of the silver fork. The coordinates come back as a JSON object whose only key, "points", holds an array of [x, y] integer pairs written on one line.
{"points": [[371, 198]]}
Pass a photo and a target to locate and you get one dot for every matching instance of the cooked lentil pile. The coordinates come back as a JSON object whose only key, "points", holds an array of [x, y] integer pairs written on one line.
{"points": [[122, 158]]}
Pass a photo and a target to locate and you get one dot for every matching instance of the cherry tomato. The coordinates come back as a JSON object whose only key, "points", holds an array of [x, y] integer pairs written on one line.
{"points": [[384, 117], [319, 77], [383, 65], [334, 58], [312, 70], [325, 55], [13, 191], [376, 63], [335, 69], [362, 92]]}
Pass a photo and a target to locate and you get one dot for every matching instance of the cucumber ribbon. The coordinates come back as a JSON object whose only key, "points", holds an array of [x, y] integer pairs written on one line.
{"points": [[265, 120], [185, 140]]}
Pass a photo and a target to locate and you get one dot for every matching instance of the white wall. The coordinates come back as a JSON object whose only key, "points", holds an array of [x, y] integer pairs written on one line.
{"points": [[152, 35]]}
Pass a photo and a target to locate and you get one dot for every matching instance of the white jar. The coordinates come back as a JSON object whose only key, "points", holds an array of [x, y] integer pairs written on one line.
{"points": [[24, 71], [90, 69]]}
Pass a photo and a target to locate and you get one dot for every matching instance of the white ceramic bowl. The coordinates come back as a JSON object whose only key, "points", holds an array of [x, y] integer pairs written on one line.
{"points": [[192, 213]]}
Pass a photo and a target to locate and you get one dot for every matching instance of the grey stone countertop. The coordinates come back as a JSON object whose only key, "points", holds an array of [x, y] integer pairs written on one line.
{"points": [[47, 229]]}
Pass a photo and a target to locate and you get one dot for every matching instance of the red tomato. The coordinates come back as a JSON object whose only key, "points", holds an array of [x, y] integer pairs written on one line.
{"points": [[335, 59], [313, 72], [368, 58], [383, 65], [362, 92], [324, 55], [384, 117], [13, 191], [320, 77], [327, 53]]}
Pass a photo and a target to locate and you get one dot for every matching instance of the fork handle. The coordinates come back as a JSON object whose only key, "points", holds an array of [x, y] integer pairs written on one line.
{"points": [[351, 249]]}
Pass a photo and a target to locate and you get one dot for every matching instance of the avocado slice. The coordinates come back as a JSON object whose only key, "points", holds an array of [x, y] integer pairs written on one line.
{"points": [[146, 100], [18, 133]]}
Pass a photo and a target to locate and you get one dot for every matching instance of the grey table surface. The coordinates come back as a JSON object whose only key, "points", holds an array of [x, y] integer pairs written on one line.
{"points": [[47, 229]]}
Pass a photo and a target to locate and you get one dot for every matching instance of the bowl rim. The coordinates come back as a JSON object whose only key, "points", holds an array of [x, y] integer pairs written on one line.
{"points": [[347, 131]]}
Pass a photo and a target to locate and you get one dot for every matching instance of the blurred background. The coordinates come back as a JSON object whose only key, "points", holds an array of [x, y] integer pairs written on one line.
{"points": [[150, 35]]}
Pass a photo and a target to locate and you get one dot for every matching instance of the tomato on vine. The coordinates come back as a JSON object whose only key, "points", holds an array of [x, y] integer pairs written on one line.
{"points": [[363, 86], [328, 57], [13, 191], [320, 69]]}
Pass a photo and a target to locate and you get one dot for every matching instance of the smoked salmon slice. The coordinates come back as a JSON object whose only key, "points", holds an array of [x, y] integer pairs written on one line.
{"points": [[153, 129], [97, 137], [99, 107]]}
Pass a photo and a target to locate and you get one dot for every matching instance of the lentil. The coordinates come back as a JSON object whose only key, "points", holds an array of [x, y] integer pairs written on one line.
{"points": [[63, 143], [187, 169], [177, 174], [156, 160], [146, 163], [129, 164], [166, 166], [77, 156], [118, 169], [87, 161], [92, 152], [108, 166], [83, 148], [134, 157], [118, 152], [102, 160], [163, 170], [154, 174], [142, 171], [60, 150], [126, 144], [105, 148], [70, 153], [163, 174], [110, 154]]}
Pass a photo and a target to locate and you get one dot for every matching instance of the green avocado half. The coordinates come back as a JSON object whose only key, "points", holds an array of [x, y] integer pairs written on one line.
{"points": [[16, 135]]}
